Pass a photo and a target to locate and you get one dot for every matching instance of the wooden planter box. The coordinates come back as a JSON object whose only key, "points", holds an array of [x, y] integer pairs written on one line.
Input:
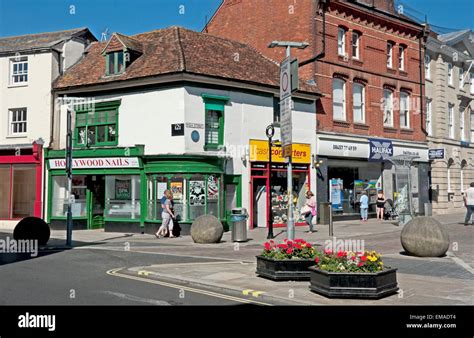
{"points": [[353, 285], [285, 269]]}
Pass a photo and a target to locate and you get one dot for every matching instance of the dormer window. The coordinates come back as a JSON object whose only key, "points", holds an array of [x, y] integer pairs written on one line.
{"points": [[115, 63]]}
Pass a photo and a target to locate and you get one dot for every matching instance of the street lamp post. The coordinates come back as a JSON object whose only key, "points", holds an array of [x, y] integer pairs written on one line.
{"points": [[286, 99], [69, 177], [270, 132]]}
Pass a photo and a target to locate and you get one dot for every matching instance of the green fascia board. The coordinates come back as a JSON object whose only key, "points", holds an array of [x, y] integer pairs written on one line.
{"points": [[115, 171], [138, 150], [98, 106], [183, 164]]}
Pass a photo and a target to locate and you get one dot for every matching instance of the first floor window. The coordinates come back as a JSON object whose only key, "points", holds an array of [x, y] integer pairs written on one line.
{"points": [[17, 121], [213, 127], [404, 110], [17, 190], [388, 108], [359, 102], [461, 124], [461, 78], [338, 99], [429, 117], [97, 127], [451, 120], [19, 70]]}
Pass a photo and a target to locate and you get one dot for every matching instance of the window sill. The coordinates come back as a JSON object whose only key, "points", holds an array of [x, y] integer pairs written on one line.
{"points": [[403, 72], [389, 129], [451, 86], [428, 79], [406, 131], [361, 125], [343, 58], [17, 85], [391, 71], [341, 123], [17, 136], [212, 147]]}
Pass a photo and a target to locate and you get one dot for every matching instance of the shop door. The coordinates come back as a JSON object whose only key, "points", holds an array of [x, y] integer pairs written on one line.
{"points": [[233, 194], [259, 202], [96, 202]]}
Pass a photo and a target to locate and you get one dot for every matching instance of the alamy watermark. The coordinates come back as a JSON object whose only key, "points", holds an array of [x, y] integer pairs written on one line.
{"points": [[344, 245], [9, 245]]}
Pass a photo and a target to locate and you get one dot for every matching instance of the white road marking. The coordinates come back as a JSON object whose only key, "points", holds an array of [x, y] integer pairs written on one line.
{"points": [[138, 299]]}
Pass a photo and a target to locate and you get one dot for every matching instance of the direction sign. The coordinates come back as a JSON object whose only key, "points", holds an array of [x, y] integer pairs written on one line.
{"points": [[286, 125], [285, 79]]}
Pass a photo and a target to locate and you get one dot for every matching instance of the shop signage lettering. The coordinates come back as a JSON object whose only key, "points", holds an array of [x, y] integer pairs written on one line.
{"points": [[330, 147], [344, 147], [90, 163], [436, 154], [300, 153], [380, 149]]}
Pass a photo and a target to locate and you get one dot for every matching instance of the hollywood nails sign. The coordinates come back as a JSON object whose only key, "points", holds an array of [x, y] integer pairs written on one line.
{"points": [[91, 163]]}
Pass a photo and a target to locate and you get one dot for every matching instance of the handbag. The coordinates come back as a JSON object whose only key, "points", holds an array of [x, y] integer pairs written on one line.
{"points": [[305, 209]]}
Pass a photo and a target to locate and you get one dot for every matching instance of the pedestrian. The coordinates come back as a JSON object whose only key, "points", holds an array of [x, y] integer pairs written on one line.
{"points": [[380, 205], [310, 208], [364, 206], [167, 216], [469, 203]]}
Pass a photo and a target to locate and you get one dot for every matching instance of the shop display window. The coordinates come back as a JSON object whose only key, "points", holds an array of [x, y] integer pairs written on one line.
{"points": [[60, 196], [197, 196], [17, 190], [122, 196], [4, 191], [156, 186]]}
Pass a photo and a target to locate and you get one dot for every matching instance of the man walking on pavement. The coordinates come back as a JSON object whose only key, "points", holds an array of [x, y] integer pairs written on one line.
{"points": [[469, 203]]}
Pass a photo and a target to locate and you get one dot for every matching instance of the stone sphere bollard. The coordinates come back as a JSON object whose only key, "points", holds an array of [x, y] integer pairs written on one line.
{"points": [[425, 237], [207, 229], [32, 228]]}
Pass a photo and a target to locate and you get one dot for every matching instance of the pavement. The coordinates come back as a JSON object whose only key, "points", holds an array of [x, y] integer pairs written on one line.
{"points": [[229, 268]]}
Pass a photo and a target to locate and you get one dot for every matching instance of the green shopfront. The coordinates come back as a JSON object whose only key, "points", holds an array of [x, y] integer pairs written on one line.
{"points": [[119, 189]]}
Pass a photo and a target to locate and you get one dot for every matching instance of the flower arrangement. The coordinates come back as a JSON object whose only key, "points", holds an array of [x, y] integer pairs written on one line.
{"points": [[348, 261], [296, 249]]}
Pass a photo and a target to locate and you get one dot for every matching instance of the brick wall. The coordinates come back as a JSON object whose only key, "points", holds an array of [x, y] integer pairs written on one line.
{"points": [[258, 22]]}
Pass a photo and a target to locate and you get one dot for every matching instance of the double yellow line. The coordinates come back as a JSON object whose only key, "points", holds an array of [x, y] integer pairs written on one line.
{"points": [[115, 273]]}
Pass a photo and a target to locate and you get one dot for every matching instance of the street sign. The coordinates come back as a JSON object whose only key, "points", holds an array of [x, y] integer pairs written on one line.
{"points": [[285, 79], [436, 154], [285, 123]]}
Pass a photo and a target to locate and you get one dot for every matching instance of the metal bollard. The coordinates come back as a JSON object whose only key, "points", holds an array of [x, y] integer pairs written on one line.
{"points": [[331, 229]]}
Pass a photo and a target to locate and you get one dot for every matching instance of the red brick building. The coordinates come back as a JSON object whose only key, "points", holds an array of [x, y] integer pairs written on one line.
{"points": [[371, 79]]}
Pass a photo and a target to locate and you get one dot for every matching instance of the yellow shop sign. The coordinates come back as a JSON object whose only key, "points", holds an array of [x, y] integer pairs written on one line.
{"points": [[301, 153]]}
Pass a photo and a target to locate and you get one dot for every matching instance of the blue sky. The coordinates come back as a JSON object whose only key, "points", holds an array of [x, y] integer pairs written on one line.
{"points": [[19, 17]]}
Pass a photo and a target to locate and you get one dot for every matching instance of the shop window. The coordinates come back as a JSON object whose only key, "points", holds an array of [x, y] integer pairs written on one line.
{"points": [[388, 108], [177, 184], [97, 127], [122, 196], [4, 191], [24, 190], [156, 188], [213, 188], [59, 201], [17, 191], [338, 99], [197, 196]]}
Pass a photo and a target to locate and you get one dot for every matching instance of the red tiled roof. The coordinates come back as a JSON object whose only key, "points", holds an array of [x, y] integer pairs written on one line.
{"points": [[175, 50], [119, 41]]}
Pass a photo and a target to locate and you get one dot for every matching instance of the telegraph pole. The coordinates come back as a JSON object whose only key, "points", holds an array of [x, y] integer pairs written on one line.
{"points": [[288, 84]]}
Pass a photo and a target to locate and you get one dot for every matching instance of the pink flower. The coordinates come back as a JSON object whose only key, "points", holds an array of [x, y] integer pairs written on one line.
{"points": [[267, 246], [316, 260], [328, 252], [289, 251], [308, 245]]}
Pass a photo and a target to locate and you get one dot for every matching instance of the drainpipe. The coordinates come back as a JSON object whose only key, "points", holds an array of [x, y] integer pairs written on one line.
{"points": [[422, 38]]}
